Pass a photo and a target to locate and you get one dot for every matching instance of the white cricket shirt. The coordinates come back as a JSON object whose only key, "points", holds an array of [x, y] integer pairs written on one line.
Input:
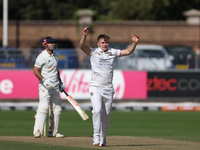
{"points": [[48, 64], [102, 64]]}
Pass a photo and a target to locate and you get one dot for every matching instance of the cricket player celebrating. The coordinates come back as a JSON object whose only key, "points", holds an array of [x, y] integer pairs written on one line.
{"points": [[101, 88], [45, 69]]}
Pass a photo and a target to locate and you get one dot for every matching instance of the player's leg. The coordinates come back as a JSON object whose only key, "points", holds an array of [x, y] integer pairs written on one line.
{"points": [[51, 121], [42, 111], [96, 101], [106, 111], [57, 109], [105, 118]]}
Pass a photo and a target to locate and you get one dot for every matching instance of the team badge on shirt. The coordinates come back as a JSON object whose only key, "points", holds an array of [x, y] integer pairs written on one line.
{"points": [[110, 54], [91, 93]]}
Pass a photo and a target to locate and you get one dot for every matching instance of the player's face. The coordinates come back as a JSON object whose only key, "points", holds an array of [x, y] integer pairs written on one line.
{"points": [[51, 46], [103, 44]]}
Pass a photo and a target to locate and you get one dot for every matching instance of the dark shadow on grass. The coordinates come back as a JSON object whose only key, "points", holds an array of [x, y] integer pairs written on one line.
{"points": [[132, 145]]}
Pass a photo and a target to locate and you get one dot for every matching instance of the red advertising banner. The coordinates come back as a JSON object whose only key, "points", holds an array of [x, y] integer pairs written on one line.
{"points": [[22, 84]]}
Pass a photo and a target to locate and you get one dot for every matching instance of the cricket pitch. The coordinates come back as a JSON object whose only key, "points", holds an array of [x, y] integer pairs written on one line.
{"points": [[113, 142]]}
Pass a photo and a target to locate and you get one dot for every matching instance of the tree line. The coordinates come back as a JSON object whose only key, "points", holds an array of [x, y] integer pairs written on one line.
{"points": [[104, 10]]}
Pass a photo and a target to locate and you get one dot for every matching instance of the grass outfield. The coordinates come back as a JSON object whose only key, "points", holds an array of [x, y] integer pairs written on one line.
{"points": [[156, 124], [13, 145]]}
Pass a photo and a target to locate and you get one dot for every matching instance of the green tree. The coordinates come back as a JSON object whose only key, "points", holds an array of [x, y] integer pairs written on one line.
{"points": [[150, 9], [104, 9]]}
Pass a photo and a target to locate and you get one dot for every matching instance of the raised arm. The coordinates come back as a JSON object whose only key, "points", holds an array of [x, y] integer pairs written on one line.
{"points": [[83, 46], [131, 48]]}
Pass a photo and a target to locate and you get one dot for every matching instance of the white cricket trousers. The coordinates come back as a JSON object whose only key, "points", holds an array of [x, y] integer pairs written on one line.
{"points": [[101, 99], [47, 97]]}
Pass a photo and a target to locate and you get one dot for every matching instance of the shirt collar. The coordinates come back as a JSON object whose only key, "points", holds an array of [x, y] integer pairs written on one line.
{"points": [[46, 53], [101, 51]]}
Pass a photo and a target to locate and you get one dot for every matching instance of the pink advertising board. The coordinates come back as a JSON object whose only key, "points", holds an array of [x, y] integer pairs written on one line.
{"points": [[18, 84], [127, 84], [22, 84], [135, 84]]}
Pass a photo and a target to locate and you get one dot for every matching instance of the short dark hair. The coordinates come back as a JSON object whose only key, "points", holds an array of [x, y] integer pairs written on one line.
{"points": [[103, 36]]}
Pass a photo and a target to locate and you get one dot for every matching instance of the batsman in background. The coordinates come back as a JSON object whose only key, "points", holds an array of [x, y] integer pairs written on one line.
{"points": [[45, 69], [101, 88]]}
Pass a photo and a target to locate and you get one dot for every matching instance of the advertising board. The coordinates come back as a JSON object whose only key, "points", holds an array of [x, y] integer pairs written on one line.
{"points": [[22, 84]]}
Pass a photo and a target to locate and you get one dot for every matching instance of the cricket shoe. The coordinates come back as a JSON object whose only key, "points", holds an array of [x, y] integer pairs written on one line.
{"points": [[50, 134], [96, 144], [37, 135], [102, 143], [96, 141], [58, 135]]}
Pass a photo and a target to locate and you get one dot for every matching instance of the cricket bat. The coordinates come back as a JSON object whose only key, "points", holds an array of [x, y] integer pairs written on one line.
{"points": [[76, 106]]}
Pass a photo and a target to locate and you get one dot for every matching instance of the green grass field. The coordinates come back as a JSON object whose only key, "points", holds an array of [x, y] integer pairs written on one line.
{"points": [[167, 125]]}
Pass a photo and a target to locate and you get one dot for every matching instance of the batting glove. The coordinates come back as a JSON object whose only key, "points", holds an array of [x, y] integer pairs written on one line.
{"points": [[47, 83], [62, 87]]}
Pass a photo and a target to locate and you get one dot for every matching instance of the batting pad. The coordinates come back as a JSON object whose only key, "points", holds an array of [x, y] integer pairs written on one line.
{"points": [[39, 122], [56, 124]]}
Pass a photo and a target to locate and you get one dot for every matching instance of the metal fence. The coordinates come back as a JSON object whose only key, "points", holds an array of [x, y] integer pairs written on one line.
{"points": [[12, 58]]}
